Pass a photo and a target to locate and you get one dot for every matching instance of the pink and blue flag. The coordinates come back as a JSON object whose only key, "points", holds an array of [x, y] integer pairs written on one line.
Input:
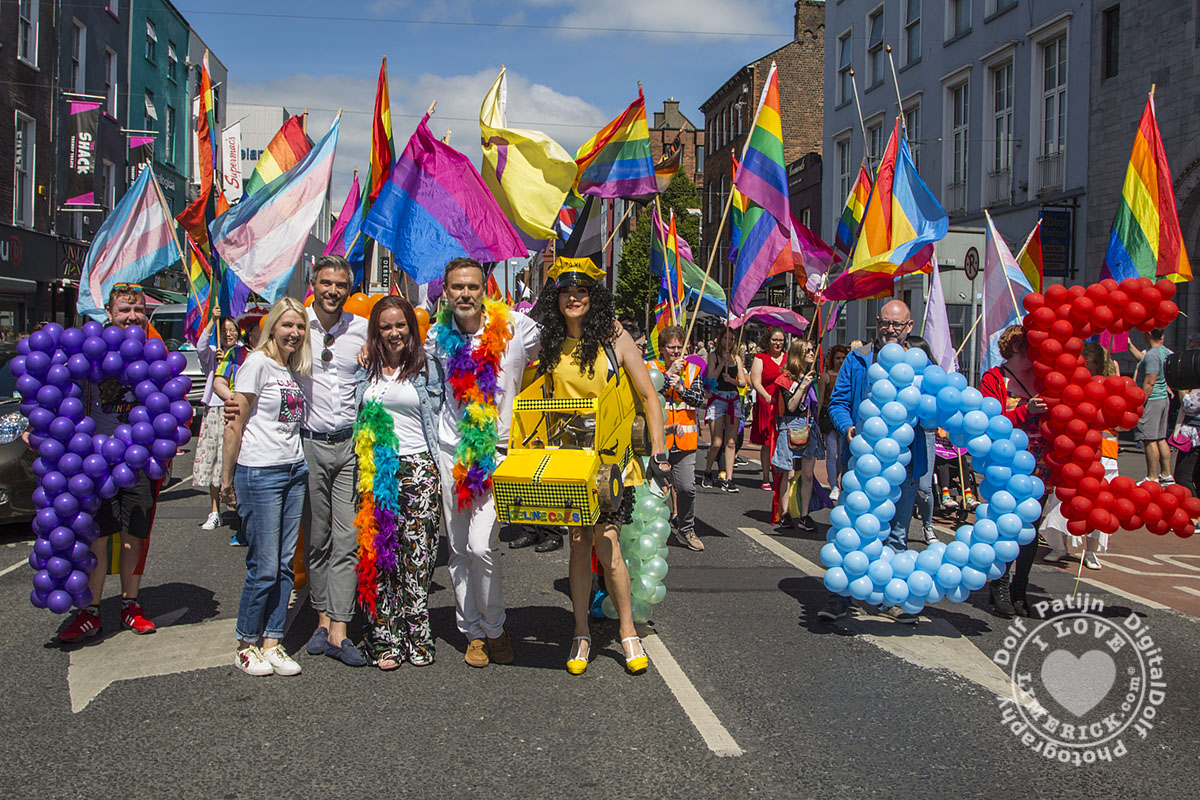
{"points": [[136, 241], [261, 238], [436, 207], [346, 240]]}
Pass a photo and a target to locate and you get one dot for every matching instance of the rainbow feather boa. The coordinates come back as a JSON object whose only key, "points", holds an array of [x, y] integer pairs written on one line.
{"points": [[473, 378], [375, 444]]}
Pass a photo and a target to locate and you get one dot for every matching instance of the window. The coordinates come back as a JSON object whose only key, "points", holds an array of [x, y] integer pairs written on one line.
{"points": [[739, 110], [27, 31], [78, 48], [996, 6], [151, 113], [172, 62], [23, 158], [806, 218], [1053, 136], [170, 134], [108, 185], [958, 18], [875, 47], [999, 183], [912, 32], [912, 124], [844, 165], [110, 82], [699, 158], [875, 142], [956, 185], [845, 90], [151, 40], [1112, 42], [113, 7]]}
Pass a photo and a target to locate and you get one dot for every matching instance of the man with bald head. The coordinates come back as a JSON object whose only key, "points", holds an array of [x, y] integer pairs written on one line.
{"points": [[893, 325]]}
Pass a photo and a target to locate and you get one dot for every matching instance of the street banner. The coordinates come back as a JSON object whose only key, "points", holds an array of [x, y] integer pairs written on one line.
{"points": [[141, 151], [231, 163], [81, 172]]}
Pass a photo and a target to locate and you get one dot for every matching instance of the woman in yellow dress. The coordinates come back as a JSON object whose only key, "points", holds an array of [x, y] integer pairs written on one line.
{"points": [[580, 340]]}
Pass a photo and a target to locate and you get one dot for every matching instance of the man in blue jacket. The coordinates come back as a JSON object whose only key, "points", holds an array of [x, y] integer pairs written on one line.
{"points": [[893, 324]]}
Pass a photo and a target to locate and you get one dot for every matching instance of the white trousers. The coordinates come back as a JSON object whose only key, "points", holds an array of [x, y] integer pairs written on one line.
{"points": [[473, 537], [1054, 523]]}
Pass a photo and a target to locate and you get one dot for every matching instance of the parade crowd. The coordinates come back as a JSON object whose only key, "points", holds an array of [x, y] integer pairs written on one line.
{"points": [[373, 436]]}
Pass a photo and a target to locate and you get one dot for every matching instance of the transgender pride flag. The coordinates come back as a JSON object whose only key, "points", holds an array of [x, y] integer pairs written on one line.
{"points": [[436, 207], [262, 238], [136, 241]]}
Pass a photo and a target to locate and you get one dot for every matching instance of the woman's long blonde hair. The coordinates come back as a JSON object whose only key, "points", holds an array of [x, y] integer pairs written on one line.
{"points": [[300, 362], [797, 353]]}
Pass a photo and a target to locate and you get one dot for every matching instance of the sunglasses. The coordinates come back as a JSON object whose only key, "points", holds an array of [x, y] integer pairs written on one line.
{"points": [[327, 354]]}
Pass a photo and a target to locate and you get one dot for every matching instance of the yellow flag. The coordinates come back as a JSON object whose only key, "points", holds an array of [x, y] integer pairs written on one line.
{"points": [[528, 172]]}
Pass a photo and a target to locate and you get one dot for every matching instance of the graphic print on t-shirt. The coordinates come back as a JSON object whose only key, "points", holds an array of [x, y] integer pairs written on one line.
{"points": [[291, 406], [116, 399]]}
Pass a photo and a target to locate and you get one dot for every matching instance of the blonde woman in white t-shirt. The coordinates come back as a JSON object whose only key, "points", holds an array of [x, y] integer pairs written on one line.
{"points": [[264, 474]]}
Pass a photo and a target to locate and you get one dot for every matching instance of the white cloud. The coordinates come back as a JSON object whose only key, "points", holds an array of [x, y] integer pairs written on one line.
{"points": [[706, 16], [568, 119]]}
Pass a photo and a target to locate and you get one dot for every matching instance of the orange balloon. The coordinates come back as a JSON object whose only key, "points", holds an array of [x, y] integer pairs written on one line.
{"points": [[308, 301], [422, 317], [373, 300], [358, 304]]}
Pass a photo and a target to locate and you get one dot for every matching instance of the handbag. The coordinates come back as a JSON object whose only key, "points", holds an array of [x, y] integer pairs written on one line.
{"points": [[825, 422], [1180, 442], [798, 432]]}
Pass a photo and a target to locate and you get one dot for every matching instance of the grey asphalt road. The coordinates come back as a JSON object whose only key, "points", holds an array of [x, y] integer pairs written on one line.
{"points": [[816, 710]]}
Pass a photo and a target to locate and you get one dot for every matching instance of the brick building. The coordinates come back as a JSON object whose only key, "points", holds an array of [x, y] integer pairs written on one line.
{"points": [[670, 126], [729, 114], [27, 250]]}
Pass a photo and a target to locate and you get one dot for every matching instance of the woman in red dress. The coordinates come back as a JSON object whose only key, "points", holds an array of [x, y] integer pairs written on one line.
{"points": [[767, 367]]}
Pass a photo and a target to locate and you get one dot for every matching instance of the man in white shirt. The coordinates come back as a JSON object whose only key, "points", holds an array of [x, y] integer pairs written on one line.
{"points": [[472, 530], [331, 541]]}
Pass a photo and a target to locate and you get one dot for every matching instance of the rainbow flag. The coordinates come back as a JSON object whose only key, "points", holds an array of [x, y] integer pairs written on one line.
{"points": [[667, 166], [762, 178], [199, 296], [852, 215], [664, 314], [617, 161], [737, 210], [664, 261], [435, 207], [1030, 257], [901, 222], [346, 238], [227, 367], [287, 147], [206, 127], [383, 152], [493, 288], [1146, 239]]}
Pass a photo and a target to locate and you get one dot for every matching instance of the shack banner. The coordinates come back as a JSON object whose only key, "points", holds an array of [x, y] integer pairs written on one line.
{"points": [[81, 171]]}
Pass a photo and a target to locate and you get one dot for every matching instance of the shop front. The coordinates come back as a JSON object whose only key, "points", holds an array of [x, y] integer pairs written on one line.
{"points": [[28, 265]]}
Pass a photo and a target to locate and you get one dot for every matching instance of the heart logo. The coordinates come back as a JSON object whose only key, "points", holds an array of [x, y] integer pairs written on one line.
{"points": [[1078, 684]]}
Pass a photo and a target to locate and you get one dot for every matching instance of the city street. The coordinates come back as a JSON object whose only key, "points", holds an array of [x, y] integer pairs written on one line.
{"points": [[748, 693]]}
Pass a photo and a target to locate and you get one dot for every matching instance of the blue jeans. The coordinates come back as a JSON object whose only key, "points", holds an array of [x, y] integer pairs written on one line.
{"points": [[925, 484], [270, 503]]}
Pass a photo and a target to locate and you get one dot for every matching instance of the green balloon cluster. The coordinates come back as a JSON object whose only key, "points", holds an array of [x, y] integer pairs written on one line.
{"points": [[644, 546]]}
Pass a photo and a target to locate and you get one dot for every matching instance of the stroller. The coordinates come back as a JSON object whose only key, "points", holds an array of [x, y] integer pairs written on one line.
{"points": [[952, 499]]}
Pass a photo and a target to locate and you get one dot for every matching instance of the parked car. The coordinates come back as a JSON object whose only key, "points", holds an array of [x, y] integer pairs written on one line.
{"points": [[168, 320], [17, 480]]}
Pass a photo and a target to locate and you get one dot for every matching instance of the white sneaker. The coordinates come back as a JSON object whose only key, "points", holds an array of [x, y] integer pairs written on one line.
{"points": [[835, 493], [1054, 556], [211, 523], [250, 661], [1165, 480], [1090, 561], [930, 536], [281, 662]]}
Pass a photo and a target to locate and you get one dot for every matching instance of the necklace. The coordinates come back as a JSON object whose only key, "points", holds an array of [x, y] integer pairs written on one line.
{"points": [[473, 375]]}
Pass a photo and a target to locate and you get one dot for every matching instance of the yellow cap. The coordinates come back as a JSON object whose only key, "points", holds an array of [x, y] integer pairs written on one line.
{"points": [[575, 272]]}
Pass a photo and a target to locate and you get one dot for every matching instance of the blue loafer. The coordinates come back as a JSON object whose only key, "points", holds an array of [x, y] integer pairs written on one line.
{"points": [[316, 645], [348, 654]]}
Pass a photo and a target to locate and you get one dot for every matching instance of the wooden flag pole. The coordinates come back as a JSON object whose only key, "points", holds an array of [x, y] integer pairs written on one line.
{"points": [[612, 234], [978, 320]]}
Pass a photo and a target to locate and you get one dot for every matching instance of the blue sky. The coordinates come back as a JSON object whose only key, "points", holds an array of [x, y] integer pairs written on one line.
{"points": [[567, 76]]}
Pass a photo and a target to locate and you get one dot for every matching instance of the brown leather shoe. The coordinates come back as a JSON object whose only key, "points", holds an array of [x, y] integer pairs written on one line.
{"points": [[477, 653], [500, 649]]}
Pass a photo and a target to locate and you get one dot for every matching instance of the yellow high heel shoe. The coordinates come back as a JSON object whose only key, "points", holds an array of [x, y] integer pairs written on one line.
{"points": [[577, 663], [636, 664]]}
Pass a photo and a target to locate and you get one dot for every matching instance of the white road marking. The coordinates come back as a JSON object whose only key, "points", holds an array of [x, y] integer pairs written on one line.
{"points": [[15, 566], [931, 644], [1137, 598], [125, 656], [710, 728], [1189, 590]]}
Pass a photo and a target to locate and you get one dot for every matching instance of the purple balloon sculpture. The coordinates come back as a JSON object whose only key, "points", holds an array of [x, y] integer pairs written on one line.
{"points": [[77, 467]]}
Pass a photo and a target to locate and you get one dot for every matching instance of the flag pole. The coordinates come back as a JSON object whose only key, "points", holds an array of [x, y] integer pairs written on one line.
{"points": [[969, 334], [617, 227], [896, 83], [1007, 281], [862, 125]]}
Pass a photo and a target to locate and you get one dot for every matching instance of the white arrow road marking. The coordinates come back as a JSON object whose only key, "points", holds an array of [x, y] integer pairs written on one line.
{"points": [[710, 728], [172, 649], [931, 644]]}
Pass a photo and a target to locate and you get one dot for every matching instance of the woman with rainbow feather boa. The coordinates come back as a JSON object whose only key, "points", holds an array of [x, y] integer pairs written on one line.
{"points": [[400, 396]]}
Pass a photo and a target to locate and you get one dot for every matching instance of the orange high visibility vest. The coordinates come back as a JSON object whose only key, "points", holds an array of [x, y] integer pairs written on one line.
{"points": [[680, 425]]}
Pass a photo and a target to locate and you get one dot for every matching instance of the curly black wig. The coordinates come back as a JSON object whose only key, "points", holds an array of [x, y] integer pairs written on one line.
{"points": [[599, 328]]}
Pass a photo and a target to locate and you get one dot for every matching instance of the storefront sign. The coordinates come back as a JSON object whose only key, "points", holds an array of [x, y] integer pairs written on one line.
{"points": [[1057, 227], [27, 254], [81, 172]]}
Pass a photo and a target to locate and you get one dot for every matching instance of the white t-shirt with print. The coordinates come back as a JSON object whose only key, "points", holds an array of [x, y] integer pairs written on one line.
{"points": [[272, 433]]}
